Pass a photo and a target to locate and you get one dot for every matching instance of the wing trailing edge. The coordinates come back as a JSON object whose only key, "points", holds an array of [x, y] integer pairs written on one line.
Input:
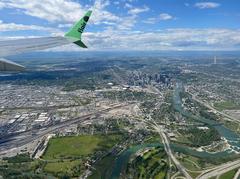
{"points": [[6, 65]]}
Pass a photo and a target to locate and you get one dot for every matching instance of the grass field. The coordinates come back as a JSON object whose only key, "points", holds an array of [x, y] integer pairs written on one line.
{"points": [[194, 174], [79, 146], [226, 105], [65, 156], [63, 166], [191, 163], [160, 175], [152, 164], [153, 139], [228, 175]]}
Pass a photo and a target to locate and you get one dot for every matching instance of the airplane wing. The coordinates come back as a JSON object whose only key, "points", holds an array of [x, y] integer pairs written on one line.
{"points": [[6, 65], [19, 46]]}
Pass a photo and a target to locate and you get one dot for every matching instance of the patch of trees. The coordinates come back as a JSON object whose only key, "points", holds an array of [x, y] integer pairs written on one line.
{"points": [[200, 137], [208, 115], [20, 158]]}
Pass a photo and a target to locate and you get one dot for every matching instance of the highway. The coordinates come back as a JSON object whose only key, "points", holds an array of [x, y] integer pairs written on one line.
{"points": [[212, 108], [167, 147], [168, 150], [219, 170], [219, 77], [24, 138]]}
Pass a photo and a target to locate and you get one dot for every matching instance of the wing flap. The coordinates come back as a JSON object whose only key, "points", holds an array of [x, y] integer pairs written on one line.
{"points": [[19, 46], [6, 65]]}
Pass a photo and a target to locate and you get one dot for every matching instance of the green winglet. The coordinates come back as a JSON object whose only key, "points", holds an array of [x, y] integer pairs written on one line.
{"points": [[75, 34]]}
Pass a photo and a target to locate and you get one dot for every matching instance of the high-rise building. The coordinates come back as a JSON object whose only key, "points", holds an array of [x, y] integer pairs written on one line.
{"points": [[215, 60]]}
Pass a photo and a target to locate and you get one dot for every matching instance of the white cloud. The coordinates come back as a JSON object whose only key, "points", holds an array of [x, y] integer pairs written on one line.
{"points": [[127, 23], [64, 11], [127, 5], [100, 14], [170, 39], [151, 20], [2, 5], [68, 11], [165, 16], [54, 10], [135, 11], [207, 5], [161, 17], [64, 25], [118, 33], [17, 27]]}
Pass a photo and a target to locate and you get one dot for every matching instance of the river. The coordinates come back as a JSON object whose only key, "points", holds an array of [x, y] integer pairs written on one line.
{"points": [[231, 136], [122, 160], [233, 139]]}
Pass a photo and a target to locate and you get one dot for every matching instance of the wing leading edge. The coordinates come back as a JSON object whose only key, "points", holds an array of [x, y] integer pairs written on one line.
{"points": [[19, 46]]}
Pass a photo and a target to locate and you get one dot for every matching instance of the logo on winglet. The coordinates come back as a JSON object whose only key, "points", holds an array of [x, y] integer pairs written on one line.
{"points": [[86, 18], [80, 29]]}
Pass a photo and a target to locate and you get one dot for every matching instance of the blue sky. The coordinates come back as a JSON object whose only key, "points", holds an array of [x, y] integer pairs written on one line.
{"points": [[129, 24]]}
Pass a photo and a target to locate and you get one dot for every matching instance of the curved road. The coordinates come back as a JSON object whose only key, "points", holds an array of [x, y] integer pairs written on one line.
{"points": [[219, 170], [169, 152]]}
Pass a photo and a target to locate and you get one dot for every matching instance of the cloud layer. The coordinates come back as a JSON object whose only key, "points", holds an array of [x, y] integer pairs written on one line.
{"points": [[207, 5], [169, 39], [117, 31], [17, 27]]}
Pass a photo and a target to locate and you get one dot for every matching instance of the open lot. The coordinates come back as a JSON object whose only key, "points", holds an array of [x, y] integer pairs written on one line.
{"points": [[66, 156], [226, 105], [79, 146]]}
